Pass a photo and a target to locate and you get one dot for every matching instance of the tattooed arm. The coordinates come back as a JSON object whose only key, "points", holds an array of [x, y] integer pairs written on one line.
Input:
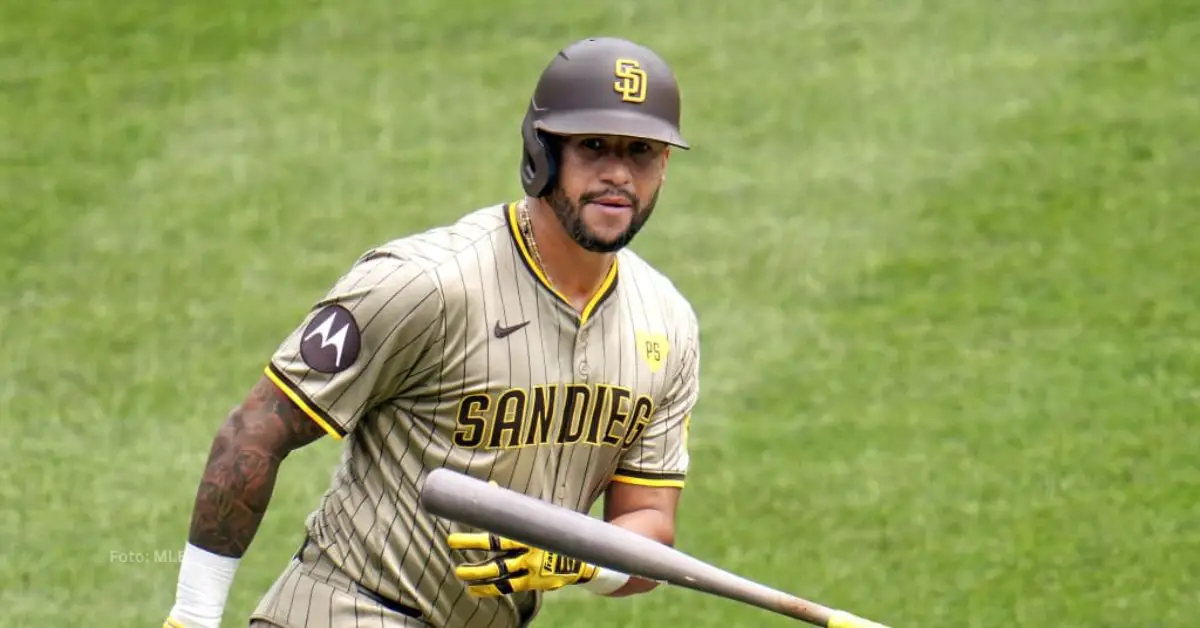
{"points": [[323, 378], [242, 465], [233, 496]]}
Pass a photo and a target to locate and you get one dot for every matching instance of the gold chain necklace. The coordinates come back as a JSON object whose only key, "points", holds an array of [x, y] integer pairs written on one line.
{"points": [[526, 224]]}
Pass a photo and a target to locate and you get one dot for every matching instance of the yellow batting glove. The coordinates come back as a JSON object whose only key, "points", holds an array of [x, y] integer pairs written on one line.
{"points": [[515, 566]]}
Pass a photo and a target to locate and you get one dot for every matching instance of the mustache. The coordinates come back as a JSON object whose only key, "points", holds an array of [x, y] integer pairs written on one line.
{"points": [[592, 196]]}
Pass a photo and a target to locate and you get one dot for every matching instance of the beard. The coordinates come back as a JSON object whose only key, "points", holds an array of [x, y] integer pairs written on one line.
{"points": [[570, 215]]}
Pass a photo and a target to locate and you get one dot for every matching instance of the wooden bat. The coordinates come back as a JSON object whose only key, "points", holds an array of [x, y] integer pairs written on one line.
{"points": [[501, 511]]}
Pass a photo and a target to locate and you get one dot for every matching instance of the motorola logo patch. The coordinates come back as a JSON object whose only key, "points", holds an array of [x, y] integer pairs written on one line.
{"points": [[331, 341]]}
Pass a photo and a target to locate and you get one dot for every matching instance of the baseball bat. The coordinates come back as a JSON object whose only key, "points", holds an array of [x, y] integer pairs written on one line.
{"points": [[528, 520]]}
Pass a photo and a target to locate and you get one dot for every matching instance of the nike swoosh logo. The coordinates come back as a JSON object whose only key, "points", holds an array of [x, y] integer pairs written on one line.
{"points": [[506, 331]]}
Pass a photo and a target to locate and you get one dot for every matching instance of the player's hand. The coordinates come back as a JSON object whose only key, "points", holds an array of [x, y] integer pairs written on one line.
{"points": [[515, 566]]}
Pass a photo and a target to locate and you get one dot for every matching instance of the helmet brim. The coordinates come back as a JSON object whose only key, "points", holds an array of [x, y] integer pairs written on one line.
{"points": [[622, 123]]}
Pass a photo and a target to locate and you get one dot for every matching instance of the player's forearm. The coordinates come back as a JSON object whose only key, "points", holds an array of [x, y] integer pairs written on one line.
{"points": [[243, 463], [650, 523], [234, 491], [233, 496]]}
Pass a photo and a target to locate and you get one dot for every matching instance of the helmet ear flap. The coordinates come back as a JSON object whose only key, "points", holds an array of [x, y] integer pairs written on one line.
{"points": [[538, 164]]}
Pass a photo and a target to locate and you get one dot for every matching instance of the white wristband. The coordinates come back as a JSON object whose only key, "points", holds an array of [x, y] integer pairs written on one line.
{"points": [[605, 582], [204, 582]]}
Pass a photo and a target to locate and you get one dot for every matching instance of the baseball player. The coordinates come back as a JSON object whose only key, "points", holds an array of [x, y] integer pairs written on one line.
{"points": [[522, 344]]}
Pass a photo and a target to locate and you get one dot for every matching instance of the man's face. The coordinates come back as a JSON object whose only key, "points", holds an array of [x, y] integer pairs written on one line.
{"points": [[607, 188]]}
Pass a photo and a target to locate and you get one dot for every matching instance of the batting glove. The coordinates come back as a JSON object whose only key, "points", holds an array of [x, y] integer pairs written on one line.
{"points": [[515, 566]]}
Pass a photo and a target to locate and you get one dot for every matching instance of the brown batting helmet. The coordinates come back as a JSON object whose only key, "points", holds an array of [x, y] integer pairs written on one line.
{"points": [[597, 86]]}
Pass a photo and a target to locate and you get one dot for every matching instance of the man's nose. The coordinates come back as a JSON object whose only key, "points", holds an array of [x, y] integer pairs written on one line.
{"points": [[615, 171]]}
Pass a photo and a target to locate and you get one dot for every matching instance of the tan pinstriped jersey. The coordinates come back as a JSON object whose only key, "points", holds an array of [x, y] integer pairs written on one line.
{"points": [[450, 349]]}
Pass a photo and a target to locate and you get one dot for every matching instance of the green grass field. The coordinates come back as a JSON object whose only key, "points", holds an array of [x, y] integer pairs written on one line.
{"points": [[946, 256]]}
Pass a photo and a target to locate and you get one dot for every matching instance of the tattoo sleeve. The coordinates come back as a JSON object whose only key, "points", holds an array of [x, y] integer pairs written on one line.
{"points": [[243, 463]]}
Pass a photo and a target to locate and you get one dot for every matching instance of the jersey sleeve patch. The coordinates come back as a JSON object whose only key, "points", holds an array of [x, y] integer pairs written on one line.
{"points": [[331, 342]]}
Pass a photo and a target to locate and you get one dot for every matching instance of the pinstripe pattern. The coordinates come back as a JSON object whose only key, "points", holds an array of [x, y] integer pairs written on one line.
{"points": [[556, 410]]}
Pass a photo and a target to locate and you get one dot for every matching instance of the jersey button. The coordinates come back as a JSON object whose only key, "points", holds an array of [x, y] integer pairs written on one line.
{"points": [[583, 368]]}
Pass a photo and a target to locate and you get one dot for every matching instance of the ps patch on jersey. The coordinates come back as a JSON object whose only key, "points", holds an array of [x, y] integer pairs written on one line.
{"points": [[331, 341], [653, 348]]}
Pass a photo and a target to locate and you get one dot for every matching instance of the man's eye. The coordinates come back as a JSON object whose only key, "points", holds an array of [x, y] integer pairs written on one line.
{"points": [[639, 148], [593, 143]]}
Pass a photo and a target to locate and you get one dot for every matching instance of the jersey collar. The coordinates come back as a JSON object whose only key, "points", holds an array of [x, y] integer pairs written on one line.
{"points": [[607, 287]]}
